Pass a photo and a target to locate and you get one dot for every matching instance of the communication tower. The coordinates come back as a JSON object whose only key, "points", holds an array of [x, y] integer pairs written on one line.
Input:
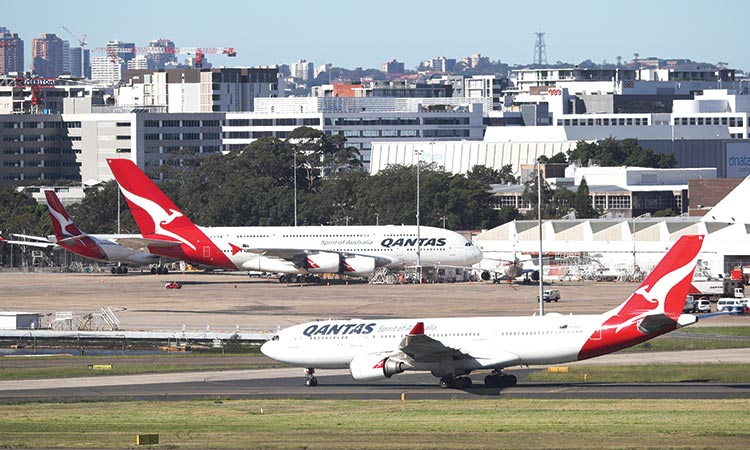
{"points": [[540, 50]]}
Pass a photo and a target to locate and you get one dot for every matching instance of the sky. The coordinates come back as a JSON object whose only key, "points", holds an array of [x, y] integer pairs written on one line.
{"points": [[354, 34]]}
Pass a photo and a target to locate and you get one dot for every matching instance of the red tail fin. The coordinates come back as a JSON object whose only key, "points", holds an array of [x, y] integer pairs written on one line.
{"points": [[62, 224], [654, 308], [152, 210], [67, 234], [666, 287], [159, 218]]}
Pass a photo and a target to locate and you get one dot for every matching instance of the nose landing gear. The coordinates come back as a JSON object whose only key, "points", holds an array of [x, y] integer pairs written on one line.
{"points": [[310, 379]]}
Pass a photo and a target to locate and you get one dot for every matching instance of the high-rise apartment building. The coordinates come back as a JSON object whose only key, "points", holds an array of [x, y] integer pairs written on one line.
{"points": [[393, 67], [11, 52], [80, 68], [47, 55], [302, 70], [105, 69]]}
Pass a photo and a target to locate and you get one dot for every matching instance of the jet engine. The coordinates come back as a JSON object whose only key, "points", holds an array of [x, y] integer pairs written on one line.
{"points": [[375, 367], [323, 262], [358, 266]]}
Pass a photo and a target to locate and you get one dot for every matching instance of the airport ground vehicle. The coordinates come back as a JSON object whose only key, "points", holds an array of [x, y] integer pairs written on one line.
{"points": [[691, 305], [551, 295], [724, 304], [704, 305]]}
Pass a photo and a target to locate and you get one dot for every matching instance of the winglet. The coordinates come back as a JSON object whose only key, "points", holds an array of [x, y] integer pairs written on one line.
{"points": [[417, 330]]}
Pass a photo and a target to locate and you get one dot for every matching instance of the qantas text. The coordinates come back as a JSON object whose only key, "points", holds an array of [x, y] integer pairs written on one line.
{"points": [[341, 328], [424, 242]]}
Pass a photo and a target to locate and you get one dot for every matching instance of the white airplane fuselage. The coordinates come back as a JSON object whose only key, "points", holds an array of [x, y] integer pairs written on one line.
{"points": [[529, 338], [365, 247]]}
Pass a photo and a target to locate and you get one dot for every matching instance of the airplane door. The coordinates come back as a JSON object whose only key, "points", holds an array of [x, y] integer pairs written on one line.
{"points": [[206, 251]]}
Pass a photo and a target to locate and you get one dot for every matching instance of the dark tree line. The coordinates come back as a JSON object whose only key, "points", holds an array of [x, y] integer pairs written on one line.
{"points": [[255, 187]]}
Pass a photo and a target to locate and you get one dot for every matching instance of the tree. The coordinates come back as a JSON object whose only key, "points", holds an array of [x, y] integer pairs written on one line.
{"points": [[97, 212], [530, 196], [610, 152], [488, 175], [582, 203]]}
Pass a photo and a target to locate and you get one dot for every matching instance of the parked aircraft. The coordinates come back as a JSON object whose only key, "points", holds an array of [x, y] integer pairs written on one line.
{"points": [[100, 247], [297, 253], [452, 348]]}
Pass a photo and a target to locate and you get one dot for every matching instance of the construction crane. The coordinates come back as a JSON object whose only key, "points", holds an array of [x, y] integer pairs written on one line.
{"points": [[82, 44], [198, 52]]}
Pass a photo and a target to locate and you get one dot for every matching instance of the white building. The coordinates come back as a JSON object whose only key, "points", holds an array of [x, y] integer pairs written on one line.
{"points": [[709, 131], [107, 70], [198, 90]]}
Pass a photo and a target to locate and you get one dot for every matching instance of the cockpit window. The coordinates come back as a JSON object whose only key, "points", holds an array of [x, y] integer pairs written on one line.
{"points": [[275, 337], [468, 244]]}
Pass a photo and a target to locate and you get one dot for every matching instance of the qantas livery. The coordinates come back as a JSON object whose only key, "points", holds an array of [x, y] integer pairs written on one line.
{"points": [[297, 253], [452, 348], [98, 247]]}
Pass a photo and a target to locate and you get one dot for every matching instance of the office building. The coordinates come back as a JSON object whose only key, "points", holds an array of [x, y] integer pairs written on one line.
{"points": [[47, 55], [11, 52]]}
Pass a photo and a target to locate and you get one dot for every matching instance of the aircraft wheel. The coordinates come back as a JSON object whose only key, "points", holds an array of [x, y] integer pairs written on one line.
{"points": [[311, 382], [492, 381], [300, 278], [509, 380], [463, 382], [153, 271], [113, 270], [166, 271], [447, 382], [124, 270], [282, 279]]}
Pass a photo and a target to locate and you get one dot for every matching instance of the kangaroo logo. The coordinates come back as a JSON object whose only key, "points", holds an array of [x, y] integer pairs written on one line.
{"points": [[65, 222], [158, 215], [656, 295]]}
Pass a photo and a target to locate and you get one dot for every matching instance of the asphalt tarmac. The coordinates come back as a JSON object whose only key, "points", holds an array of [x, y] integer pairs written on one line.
{"points": [[226, 301]]}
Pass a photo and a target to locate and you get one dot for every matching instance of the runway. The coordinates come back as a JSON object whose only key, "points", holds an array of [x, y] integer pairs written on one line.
{"points": [[338, 384]]}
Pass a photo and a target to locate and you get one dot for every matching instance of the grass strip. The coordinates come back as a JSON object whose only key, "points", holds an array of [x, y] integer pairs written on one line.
{"points": [[649, 373], [381, 424]]}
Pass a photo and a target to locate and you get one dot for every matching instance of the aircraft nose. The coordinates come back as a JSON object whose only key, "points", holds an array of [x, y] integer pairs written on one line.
{"points": [[476, 254], [269, 349]]}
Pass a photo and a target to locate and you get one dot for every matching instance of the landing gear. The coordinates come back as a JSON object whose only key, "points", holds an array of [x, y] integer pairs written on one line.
{"points": [[500, 380], [118, 270], [449, 381], [310, 380]]}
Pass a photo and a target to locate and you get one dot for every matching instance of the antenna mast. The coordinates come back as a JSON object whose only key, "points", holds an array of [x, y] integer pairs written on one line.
{"points": [[540, 50]]}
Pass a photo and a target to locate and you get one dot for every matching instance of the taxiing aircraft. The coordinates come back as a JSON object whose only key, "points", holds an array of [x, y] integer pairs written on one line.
{"points": [[99, 247], [297, 253], [452, 348]]}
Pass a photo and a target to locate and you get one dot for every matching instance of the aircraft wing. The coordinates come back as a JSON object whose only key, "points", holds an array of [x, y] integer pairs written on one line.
{"points": [[298, 256], [422, 348], [142, 244]]}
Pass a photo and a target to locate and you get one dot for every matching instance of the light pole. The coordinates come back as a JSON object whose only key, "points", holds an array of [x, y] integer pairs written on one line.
{"points": [[539, 218], [418, 153], [294, 152]]}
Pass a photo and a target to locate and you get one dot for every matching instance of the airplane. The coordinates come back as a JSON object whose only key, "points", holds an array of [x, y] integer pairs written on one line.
{"points": [[509, 270], [102, 247], [452, 348], [297, 253]]}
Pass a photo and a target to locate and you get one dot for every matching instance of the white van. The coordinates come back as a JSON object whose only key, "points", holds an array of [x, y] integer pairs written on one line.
{"points": [[725, 303], [704, 305]]}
